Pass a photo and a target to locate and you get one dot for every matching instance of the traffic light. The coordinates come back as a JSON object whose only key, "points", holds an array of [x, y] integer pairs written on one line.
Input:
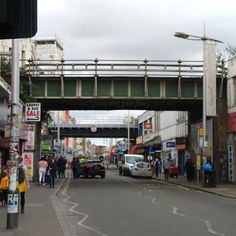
{"points": [[18, 18]]}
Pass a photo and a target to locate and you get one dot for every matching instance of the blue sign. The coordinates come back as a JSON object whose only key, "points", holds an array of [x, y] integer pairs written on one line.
{"points": [[170, 144]]}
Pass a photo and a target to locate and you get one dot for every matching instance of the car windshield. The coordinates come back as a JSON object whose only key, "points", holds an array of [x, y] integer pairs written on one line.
{"points": [[94, 161], [132, 159], [142, 165]]}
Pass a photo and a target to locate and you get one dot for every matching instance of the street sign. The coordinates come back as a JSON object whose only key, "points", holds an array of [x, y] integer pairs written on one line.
{"points": [[33, 112]]}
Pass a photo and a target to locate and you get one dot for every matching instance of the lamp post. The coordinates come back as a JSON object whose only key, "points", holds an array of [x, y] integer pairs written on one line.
{"points": [[204, 39], [128, 144]]}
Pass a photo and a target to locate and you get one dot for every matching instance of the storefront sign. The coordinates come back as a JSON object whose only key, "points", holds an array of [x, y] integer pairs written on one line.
{"points": [[170, 144], [147, 126], [33, 112]]}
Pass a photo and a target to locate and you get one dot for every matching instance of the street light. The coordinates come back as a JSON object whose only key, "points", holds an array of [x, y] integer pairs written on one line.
{"points": [[205, 39]]}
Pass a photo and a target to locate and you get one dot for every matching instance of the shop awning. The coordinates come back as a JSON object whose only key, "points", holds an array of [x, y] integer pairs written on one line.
{"points": [[155, 142], [136, 149]]}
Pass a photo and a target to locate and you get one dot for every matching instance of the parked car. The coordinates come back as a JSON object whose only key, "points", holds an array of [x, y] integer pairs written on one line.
{"points": [[141, 169], [126, 163], [92, 168]]}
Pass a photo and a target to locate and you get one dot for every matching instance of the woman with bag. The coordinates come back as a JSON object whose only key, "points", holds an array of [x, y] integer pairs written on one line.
{"points": [[23, 185], [4, 186]]}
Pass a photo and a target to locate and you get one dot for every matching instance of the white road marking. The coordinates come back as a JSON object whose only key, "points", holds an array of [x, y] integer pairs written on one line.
{"points": [[210, 228], [85, 216]]}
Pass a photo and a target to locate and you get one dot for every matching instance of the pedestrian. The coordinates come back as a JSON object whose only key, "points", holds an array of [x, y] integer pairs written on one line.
{"points": [[4, 184], [52, 169], [157, 166], [189, 167], [23, 183], [75, 167], [42, 167], [207, 167], [167, 164]]}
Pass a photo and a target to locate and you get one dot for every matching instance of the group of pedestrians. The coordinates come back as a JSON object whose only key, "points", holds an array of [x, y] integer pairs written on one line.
{"points": [[158, 165], [50, 168]]}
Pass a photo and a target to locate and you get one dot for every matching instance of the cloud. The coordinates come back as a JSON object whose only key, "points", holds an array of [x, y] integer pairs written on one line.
{"points": [[135, 29]]}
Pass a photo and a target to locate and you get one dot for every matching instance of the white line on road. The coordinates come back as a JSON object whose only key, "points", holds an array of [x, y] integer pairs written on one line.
{"points": [[85, 216], [210, 228]]}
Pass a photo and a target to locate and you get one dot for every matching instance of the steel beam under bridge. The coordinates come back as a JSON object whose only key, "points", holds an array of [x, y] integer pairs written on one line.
{"points": [[102, 131], [111, 85]]}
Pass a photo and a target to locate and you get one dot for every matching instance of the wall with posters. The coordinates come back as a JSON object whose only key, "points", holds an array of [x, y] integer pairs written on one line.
{"points": [[29, 148]]}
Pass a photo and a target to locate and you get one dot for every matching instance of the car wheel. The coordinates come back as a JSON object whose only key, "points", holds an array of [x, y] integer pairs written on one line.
{"points": [[102, 176]]}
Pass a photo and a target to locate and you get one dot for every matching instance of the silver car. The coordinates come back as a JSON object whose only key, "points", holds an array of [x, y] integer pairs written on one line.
{"points": [[141, 169]]}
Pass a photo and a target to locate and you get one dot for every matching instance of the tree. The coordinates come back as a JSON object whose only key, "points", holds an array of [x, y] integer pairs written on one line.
{"points": [[231, 50], [5, 67]]}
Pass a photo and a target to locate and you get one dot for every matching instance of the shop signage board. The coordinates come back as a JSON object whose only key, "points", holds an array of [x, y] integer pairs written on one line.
{"points": [[33, 111], [170, 144], [147, 126]]}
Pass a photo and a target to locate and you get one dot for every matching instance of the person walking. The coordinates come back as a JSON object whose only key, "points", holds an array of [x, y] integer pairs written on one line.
{"points": [[52, 168], [42, 167], [167, 164], [189, 167], [75, 167], [157, 166], [23, 183]]}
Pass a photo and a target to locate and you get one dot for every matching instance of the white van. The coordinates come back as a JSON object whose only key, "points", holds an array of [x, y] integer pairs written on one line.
{"points": [[126, 163]]}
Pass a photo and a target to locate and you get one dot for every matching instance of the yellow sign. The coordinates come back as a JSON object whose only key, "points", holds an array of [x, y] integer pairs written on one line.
{"points": [[200, 132], [198, 162]]}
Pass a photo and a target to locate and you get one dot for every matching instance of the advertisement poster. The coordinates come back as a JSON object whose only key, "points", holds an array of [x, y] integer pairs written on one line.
{"points": [[32, 111], [29, 145], [12, 203], [28, 162]]}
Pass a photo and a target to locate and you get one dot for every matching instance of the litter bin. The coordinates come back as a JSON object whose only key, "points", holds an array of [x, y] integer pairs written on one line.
{"points": [[210, 179]]}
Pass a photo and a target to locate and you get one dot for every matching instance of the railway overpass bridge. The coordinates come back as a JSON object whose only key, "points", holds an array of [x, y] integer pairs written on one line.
{"points": [[115, 84], [96, 128], [129, 85]]}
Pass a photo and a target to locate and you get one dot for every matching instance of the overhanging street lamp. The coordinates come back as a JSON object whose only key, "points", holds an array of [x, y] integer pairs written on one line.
{"points": [[209, 72]]}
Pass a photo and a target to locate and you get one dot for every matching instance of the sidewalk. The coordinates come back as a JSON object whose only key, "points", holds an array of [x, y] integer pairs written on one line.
{"points": [[222, 189], [40, 215]]}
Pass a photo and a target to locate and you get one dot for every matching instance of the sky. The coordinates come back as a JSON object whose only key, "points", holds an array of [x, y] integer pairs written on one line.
{"points": [[136, 29]]}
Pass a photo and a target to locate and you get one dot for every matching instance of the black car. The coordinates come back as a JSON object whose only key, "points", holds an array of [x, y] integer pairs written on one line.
{"points": [[92, 168]]}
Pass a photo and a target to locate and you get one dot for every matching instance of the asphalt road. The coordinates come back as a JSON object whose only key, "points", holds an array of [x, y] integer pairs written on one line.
{"points": [[119, 205]]}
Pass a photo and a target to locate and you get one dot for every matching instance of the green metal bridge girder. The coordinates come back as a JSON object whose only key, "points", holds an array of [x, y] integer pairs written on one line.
{"points": [[119, 85], [116, 87]]}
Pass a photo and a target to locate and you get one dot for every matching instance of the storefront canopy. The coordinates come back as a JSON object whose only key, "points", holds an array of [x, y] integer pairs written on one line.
{"points": [[155, 143]]}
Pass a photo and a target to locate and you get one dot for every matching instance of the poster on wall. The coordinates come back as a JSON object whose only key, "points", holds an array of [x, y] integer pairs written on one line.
{"points": [[29, 144], [28, 162]]}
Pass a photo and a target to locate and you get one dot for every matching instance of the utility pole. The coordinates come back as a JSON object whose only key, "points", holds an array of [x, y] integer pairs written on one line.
{"points": [[13, 195]]}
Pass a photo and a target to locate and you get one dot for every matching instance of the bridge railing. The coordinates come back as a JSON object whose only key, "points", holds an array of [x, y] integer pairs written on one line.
{"points": [[106, 122], [165, 68]]}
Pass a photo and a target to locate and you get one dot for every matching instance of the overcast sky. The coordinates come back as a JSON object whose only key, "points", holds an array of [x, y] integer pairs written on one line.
{"points": [[136, 29]]}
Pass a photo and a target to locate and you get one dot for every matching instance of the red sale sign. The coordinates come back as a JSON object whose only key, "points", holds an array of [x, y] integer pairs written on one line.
{"points": [[33, 112]]}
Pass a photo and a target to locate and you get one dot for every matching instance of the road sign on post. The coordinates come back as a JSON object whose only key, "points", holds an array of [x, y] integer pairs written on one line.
{"points": [[18, 19]]}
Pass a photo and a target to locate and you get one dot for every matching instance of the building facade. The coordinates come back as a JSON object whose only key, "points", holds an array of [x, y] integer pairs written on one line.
{"points": [[231, 100]]}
